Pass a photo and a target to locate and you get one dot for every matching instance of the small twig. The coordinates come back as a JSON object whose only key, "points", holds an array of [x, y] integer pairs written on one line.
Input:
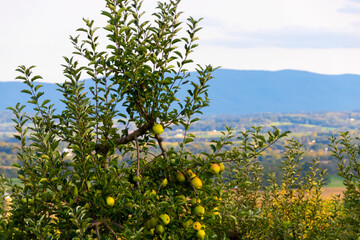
{"points": [[253, 155], [117, 224], [97, 232], [184, 138], [138, 161], [110, 229], [189, 180], [161, 145], [163, 150], [241, 219], [159, 187], [96, 224]]}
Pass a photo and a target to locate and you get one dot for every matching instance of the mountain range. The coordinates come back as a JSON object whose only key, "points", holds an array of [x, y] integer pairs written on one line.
{"points": [[249, 91]]}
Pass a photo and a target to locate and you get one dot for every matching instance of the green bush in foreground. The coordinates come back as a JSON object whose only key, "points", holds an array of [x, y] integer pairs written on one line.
{"points": [[90, 192], [118, 181]]}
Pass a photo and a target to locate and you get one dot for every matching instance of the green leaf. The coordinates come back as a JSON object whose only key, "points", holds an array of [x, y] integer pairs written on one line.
{"points": [[213, 148], [43, 179], [26, 91], [16, 165]]}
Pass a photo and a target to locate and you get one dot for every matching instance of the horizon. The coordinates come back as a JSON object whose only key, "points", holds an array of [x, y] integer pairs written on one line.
{"points": [[251, 91], [225, 69]]}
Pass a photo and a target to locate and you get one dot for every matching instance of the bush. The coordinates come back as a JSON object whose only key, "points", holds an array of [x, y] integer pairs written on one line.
{"points": [[346, 150]]}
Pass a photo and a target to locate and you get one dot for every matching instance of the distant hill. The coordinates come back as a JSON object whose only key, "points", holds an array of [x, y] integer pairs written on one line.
{"points": [[10, 94], [243, 92]]}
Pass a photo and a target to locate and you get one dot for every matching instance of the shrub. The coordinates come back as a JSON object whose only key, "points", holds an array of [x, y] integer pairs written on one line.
{"points": [[346, 151]]}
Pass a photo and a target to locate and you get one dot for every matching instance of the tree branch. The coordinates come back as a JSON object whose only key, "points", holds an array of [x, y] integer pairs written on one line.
{"points": [[161, 145], [96, 224], [254, 155], [131, 137], [138, 161], [126, 139]]}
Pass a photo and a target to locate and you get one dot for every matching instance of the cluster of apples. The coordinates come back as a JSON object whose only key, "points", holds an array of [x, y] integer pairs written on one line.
{"points": [[197, 184], [216, 168], [198, 209], [195, 181], [153, 224], [157, 224]]}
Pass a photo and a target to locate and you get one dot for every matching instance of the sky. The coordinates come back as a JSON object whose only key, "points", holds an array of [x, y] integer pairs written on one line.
{"points": [[321, 36]]}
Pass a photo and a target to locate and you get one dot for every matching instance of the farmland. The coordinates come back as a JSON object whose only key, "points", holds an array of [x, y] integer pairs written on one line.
{"points": [[313, 130]]}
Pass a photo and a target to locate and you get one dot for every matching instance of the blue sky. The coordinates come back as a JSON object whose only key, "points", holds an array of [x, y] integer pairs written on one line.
{"points": [[321, 36]]}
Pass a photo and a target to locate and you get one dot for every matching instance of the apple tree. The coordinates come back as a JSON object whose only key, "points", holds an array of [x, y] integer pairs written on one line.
{"points": [[117, 179], [99, 168]]}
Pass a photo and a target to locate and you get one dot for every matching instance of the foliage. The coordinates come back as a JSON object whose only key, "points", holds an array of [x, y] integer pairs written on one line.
{"points": [[315, 138], [347, 151], [3, 201], [135, 83], [92, 192], [293, 209]]}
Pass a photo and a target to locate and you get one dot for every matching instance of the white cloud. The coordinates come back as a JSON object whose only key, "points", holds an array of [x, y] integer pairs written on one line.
{"points": [[287, 38], [240, 34], [252, 20], [257, 15], [37, 33], [324, 61]]}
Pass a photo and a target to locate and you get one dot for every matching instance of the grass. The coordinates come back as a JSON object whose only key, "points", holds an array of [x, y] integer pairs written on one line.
{"points": [[335, 181]]}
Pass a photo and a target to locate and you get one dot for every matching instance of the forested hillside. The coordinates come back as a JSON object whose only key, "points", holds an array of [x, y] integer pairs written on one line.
{"points": [[243, 92]]}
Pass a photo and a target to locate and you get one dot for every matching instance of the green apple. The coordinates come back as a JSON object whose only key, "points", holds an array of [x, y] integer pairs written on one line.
{"points": [[222, 167], [196, 225], [215, 168], [110, 201], [160, 229], [196, 182], [152, 223], [180, 177], [200, 234], [188, 223], [199, 210], [164, 182], [165, 218], [195, 201], [158, 129]]}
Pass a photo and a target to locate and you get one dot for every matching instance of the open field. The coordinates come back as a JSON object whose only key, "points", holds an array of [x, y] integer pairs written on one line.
{"points": [[335, 181], [335, 186], [331, 191]]}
